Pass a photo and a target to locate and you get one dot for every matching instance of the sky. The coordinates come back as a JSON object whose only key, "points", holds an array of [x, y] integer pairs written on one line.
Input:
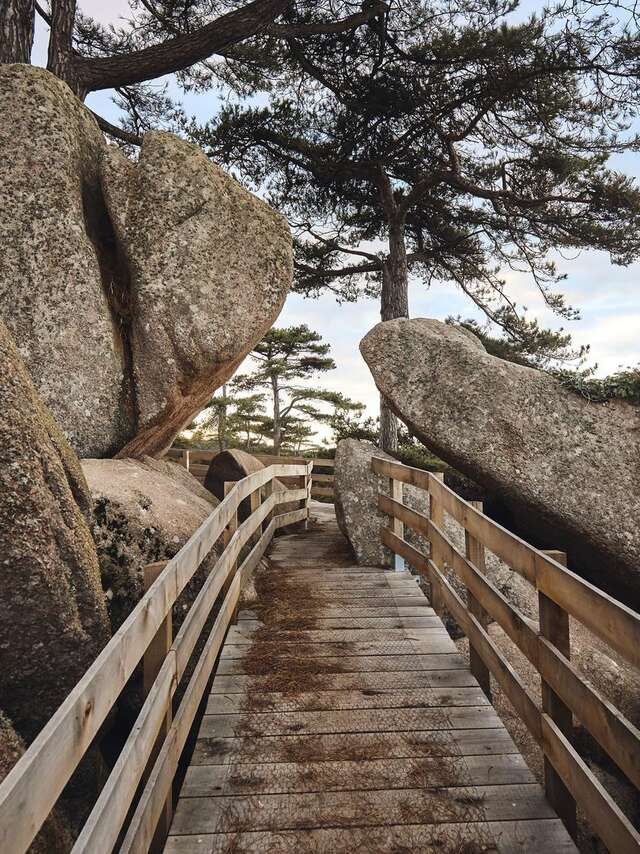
{"points": [[608, 296]]}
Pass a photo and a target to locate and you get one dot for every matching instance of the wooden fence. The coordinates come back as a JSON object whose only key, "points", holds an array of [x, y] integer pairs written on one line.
{"points": [[561, 593], [153, 748], [322, 476]]}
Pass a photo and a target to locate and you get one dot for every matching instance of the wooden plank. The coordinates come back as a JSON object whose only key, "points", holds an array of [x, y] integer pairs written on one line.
{"points": [[360, 809], [376, 681], [359, 664], [608, 821], [327, 747], [354, 720], [321, 491], [238, 636], [505, 837], [203, 781], [309, 701], [336, 623], [439, 644], [323, 478]]}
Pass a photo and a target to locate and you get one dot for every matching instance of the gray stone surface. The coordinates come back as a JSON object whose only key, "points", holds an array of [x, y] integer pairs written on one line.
{"points": [[145, 511], [53, 620], [568, 469], [132, 290], [54, 283], [210, 267]]}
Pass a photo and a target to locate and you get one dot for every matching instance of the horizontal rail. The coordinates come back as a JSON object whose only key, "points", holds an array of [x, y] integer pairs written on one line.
{"points": [[32, 787], [566, 687]]}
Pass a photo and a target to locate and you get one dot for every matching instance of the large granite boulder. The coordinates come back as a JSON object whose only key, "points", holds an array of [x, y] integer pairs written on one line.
{"points": [[227, 466], [568, 469], [59, 287], [133, 290], [210, 265], [144, 511], [356, 489], [53, 619]]}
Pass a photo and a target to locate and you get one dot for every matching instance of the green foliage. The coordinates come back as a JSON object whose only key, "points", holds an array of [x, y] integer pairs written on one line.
{"points": [[482, 140], [623, 385], [548, 350]]}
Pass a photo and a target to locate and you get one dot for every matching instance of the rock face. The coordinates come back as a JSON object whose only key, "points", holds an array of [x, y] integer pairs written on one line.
{"points": [[356, 490], [559, 462], [145, 511], [53, 620], [210, 267], [132, 290], [55, 280]]}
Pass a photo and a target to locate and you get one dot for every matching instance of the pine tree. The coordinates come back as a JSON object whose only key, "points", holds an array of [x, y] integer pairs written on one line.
{"points": [[466, 144]]}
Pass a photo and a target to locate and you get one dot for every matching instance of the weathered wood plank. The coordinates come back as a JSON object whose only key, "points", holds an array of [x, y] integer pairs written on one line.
{"points": [[354, 720], [428, 772], [223, 704], [393, 681], [438, 644], [504, 837], [359, 809], [364, 663], [327, 747]]}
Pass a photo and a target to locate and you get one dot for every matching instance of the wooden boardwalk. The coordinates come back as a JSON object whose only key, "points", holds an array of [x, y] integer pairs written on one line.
{"points": [[343, 719]]}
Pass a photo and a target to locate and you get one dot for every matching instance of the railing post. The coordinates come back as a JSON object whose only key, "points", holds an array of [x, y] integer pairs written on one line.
{"points": [[265, 493], [474, 551], [436, 513], [227, 534], [308, 481], [186, 459], [554, 626], [395, 487], [255, 500], [304, 504], [152, 662]]}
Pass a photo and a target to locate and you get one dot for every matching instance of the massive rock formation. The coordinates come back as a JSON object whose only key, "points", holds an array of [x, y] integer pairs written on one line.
{"points": [[568, 469], [355, 490], [227, 466], [132, 290], [53, 620], [210, 267], [145, 511], [58, 290]]}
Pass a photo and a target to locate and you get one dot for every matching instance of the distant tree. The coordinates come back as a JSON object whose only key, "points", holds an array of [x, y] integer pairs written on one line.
{"points": [[283, 359], [466, 144], [233, 418]]}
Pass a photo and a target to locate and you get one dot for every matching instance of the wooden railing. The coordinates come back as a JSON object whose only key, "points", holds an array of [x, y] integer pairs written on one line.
{"points": [[322, 476], [153, 748], [561, 593]]}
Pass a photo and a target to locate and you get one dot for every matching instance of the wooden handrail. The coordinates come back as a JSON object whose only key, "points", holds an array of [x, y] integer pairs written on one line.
{"points": [[562, 592], [32, 787]]}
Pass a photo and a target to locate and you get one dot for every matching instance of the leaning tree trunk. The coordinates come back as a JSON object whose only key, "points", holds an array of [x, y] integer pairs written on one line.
{"points": [[277, 428], [394, 303], [17, 19]]}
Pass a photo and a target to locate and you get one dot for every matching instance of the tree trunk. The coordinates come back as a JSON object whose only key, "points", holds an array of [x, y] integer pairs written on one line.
{"points": [[62, 60], [16, 30], [222, 422], [277, 429], [394, 303]]}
